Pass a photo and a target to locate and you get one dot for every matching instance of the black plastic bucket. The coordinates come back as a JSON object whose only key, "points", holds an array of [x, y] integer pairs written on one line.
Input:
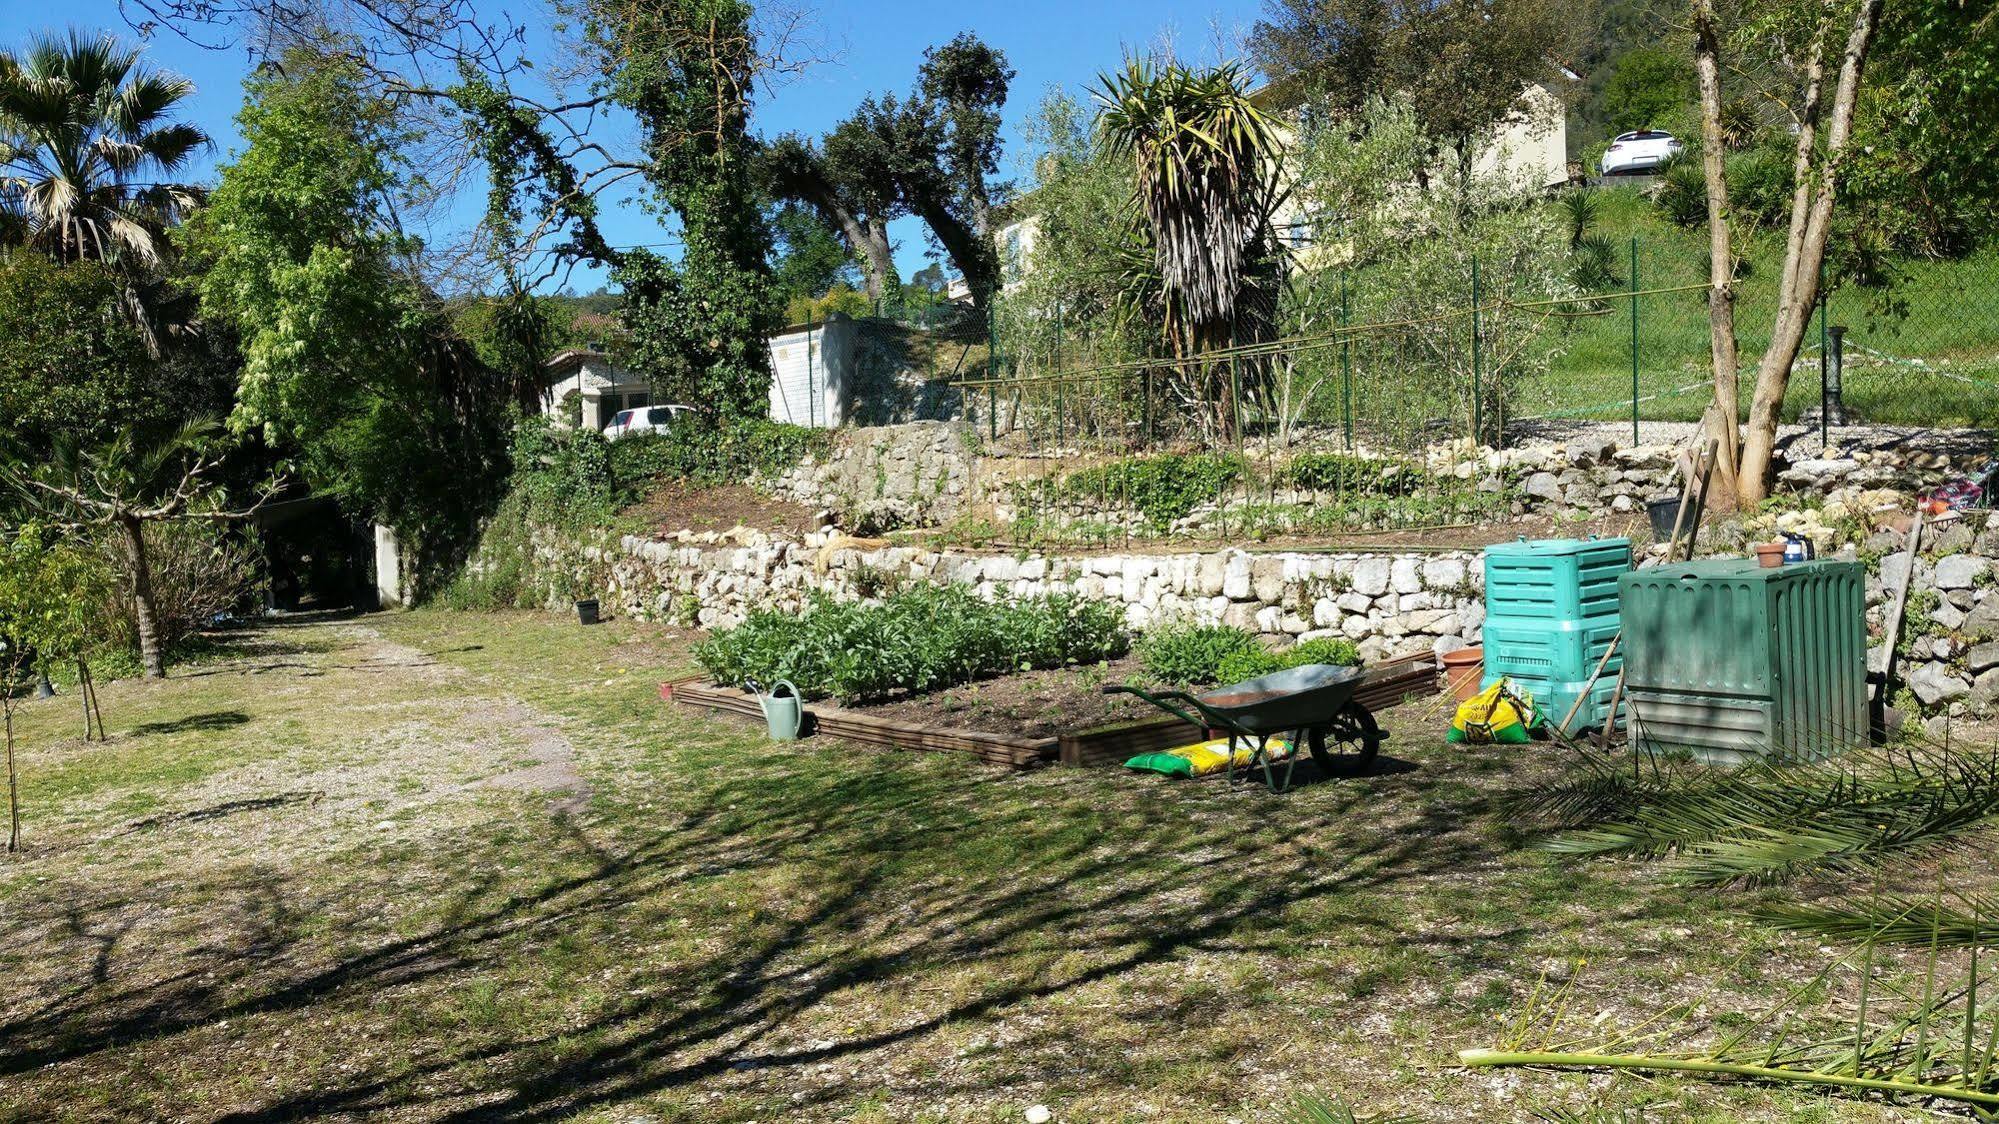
{"points": [[586, 611], [1664, 513]]}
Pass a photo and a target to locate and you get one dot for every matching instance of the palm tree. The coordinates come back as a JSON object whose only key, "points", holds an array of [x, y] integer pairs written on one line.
{"points": [[87, 150], [1205, 161]]}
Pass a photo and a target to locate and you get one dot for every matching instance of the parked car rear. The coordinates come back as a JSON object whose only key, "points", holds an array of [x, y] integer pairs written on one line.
{"points": [[1639, 153], [645, 419]]}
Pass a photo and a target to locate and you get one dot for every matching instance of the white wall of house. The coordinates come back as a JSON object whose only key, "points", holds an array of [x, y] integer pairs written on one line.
{"points": [[812, 373], [605, 388]]}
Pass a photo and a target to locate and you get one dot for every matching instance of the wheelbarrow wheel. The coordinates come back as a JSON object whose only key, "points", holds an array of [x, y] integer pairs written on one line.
{"points": [[1348, 743]]}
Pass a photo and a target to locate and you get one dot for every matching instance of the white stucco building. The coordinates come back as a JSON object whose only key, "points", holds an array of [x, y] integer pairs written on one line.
{"points": [[581, 378]]}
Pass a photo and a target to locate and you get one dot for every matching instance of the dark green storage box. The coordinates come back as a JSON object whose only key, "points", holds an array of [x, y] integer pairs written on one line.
{"points": [[1734, 661]]}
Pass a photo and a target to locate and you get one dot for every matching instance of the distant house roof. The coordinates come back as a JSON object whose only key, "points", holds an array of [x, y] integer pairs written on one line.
{"points": [[568, 359]]}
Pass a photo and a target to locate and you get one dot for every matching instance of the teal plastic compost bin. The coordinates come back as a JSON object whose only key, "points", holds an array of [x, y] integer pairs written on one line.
{"points": [[1551, 612], [1732, 661]]}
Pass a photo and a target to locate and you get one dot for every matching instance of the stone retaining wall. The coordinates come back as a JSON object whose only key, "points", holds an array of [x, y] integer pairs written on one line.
{"points": [[1390, 603], [1387, 603], [929, 473]]}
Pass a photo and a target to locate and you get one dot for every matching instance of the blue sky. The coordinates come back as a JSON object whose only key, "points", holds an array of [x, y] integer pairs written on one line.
{"points": [[876, 46]]}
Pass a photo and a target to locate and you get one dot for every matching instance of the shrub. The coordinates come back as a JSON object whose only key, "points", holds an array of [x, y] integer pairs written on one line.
{"points": [[924, 638], [1339, 472], [1194, 653], [1164, 488], [1261, 661]]}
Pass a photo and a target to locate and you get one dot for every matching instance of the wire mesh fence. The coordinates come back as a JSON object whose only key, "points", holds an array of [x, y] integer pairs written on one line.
{"points": [[1922, 351], [1361, 404]]}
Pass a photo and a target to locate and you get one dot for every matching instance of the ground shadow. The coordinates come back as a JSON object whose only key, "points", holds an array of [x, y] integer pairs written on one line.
{"points": [[871, 919], [212, 720]]}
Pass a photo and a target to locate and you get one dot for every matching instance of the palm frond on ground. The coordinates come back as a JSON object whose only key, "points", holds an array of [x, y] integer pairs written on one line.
{"points": [[1313, 1110], [1917, 922], [1769, 822], [1938, 1042]]}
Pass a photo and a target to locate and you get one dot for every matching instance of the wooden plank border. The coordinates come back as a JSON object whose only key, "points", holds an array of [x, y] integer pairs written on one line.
{"points": [[998, 749], [1383, 686]]}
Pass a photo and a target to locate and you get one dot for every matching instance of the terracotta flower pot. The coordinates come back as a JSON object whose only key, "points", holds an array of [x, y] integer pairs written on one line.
{"points": [[1770, 555], [1462, 671]]}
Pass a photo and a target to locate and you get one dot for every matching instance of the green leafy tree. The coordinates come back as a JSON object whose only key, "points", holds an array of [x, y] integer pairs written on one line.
{"points": [[1463, 64], [1925, 163], [842, 183], [70, 363], [809, 257], [1647, 86], [932, 154], [685, 69], [1396, 256], [117, 488], [46, 588], [347, 361]]}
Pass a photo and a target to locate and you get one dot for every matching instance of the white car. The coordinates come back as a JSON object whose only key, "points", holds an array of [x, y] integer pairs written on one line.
{"points": [[645, 419], [1639, 153]]}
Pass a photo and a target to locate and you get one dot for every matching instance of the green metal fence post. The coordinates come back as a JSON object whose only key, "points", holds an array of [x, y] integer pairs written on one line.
{"points": [[1061, 408], [1346, 362], [1477, 360], [992, 365], [1634, 340]]}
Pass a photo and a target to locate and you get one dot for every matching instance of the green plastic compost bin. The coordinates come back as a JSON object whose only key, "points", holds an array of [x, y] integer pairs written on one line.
{"points": [[1733, 661], [1551, 611]]}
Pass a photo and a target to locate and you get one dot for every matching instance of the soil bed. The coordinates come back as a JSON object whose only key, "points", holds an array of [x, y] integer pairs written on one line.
{"points": [[1032, 704], [676, 505]]}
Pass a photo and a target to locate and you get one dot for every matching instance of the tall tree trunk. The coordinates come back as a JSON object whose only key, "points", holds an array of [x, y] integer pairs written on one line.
{"points": [[1817, 168], [1724, 414], [144, 613], [976, 259], [878, 258]]}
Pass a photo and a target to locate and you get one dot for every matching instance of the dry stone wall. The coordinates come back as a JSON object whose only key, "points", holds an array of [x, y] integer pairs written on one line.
{"points": [[1387, 603]]}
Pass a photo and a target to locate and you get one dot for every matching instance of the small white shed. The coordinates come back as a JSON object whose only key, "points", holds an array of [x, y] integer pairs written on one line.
{"points": [[812, 373]]}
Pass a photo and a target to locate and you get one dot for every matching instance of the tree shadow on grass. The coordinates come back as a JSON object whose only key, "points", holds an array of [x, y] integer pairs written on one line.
{"points": [[904, 877], [209, 721]]}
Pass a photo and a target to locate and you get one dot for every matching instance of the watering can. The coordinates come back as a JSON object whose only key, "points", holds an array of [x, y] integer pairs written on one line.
{"points": [[785, 713]]}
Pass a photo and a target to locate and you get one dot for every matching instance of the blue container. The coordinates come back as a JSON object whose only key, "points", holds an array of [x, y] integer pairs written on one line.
{"points": [[1551, 613], [1558, 651], [1555, 579]]}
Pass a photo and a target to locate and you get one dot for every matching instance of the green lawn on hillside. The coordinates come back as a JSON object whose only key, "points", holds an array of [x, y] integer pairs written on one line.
{"points": [[1924, 352]]}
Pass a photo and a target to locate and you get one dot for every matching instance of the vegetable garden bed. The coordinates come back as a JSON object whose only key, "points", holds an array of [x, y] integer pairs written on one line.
{"points": [[1049, 716]]}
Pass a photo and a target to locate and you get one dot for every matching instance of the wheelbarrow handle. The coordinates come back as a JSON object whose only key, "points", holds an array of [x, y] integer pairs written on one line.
{"points": [[1164, 700]]}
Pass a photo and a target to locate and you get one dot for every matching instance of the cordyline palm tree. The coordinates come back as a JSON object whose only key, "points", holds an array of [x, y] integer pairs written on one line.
{"points": [[87, 150], [1205, 160]]}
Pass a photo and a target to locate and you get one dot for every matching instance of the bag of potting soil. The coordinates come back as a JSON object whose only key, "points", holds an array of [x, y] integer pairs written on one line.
{"points": [[1501, 713], [1203, 758]]}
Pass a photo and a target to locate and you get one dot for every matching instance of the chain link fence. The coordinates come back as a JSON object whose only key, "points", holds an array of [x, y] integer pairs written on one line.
{"points": [[1356, 405]]}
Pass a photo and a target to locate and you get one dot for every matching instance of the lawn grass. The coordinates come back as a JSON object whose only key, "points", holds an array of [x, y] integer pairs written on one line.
{"points": [[1924, 351], [322, 880]]}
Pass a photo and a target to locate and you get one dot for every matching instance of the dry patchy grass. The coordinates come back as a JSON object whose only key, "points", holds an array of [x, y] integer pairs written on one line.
{"points": [[451, 867]]}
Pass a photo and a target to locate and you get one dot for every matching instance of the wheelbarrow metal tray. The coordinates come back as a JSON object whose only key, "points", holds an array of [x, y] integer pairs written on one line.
{"points": [[1291, 699]]}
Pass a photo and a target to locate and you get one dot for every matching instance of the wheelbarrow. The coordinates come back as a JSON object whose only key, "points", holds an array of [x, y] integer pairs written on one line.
{"points": [[1314, 704]]}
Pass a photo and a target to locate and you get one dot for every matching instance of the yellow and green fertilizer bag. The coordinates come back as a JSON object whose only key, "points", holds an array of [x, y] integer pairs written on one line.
{"points": [[1501, 713], [1204, 758]]}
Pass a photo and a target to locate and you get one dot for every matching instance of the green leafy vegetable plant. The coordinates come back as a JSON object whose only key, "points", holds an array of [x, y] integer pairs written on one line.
{"points": [[924, 638]]}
